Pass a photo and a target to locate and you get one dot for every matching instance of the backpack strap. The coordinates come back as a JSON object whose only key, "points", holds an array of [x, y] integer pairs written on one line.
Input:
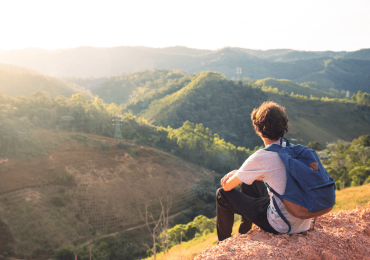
{"points": [[286, 141], [277, 207], [276, 148]]}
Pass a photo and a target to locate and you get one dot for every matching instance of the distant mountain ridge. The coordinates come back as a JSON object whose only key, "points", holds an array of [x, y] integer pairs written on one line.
{"points": [[344, 71], [20, 81]]}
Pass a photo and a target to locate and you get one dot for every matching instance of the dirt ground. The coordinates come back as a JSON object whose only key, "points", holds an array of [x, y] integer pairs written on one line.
{"points": [[337, 235]]}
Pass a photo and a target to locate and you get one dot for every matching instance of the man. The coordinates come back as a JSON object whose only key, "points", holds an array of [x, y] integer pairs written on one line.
{"points": [[254, 202]]}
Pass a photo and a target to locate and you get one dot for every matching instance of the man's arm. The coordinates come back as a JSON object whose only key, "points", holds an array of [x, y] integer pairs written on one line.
{"points": [[229, 181]]}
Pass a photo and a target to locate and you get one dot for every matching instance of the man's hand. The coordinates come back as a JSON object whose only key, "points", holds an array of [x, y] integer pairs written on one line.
{"points": [[226, 177]]}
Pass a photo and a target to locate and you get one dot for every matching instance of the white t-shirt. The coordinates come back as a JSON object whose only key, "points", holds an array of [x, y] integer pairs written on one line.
{"points": [[268, 166]]}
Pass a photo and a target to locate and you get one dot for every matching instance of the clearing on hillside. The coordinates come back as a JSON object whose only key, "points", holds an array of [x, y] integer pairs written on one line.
{"points": [[86, 186]]}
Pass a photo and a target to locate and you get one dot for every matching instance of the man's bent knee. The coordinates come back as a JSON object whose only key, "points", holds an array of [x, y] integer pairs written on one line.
{"points": [[219, 193]]}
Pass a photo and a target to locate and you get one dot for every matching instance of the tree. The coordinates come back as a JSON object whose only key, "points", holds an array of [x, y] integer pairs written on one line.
{"points": [[164, 225], [315, 145], [160, 229], [362, 153], [65, 252], [153, 231]]}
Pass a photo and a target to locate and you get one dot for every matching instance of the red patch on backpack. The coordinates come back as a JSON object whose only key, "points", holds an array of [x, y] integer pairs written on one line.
{"points": [[314, 166]]}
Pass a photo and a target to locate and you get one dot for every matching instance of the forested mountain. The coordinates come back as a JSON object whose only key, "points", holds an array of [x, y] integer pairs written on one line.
{"points": [[340, 74], [363, 54], [288, 87], [19, 81], [89, 83], [169, 98], [339, 70], [225, 107], [128, 88], [141, 88]]}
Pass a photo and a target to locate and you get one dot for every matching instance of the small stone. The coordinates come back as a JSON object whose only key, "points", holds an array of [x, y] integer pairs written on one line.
{"points": [[367, 231], [286, 254]]}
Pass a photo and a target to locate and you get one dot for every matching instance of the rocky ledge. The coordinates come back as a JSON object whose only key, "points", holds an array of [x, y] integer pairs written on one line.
{"points": [[337, 235]]}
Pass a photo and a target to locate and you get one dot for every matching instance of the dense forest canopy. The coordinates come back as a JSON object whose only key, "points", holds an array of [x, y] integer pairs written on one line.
{"points": [[348, 162], [224, 106]]}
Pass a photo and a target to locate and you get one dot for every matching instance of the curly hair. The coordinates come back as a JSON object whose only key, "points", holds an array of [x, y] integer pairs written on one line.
{"points": [[270, 120]]}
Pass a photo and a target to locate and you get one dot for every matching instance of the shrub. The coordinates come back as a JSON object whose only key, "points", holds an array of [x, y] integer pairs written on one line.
{"points": [[57, 201], [315, 145], [120, 145], [65, 252], [133, 151], [105, 146], [81, 138]]}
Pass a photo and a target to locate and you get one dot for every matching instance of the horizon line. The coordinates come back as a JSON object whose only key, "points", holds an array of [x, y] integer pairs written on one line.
{"points": [[182, 46]]}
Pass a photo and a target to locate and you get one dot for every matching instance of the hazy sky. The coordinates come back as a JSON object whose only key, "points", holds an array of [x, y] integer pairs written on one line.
{"points": [[297, 24]]}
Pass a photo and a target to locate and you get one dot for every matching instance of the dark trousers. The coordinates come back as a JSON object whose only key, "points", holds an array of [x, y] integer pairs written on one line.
{"points": [[251, 203]]}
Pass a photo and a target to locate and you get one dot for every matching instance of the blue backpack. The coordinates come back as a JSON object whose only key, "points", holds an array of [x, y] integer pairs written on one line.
{"points": [[310, 191]]}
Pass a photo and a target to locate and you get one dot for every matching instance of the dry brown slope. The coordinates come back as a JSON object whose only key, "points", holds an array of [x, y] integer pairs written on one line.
{"points": [[337, 235], [105, 193]]}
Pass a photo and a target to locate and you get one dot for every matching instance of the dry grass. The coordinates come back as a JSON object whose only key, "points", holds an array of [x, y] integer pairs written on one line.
{"points": [[349, 198]]}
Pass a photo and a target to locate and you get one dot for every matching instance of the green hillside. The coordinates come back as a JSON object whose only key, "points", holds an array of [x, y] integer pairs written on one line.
{"points": [[288, 87], [214, 101], [225, 107], [340, 74], [128, 88]]}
